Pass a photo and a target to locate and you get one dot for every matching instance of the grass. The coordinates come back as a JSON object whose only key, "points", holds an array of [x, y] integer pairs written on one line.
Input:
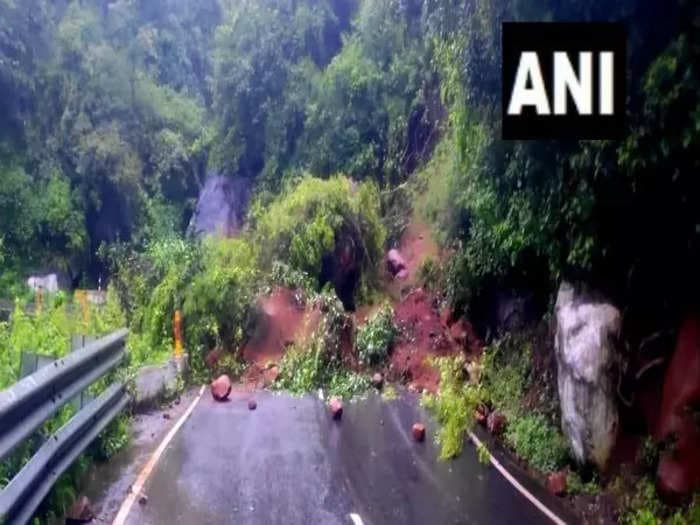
{"points": [[48, 332], [303, 370], [535, 440]]}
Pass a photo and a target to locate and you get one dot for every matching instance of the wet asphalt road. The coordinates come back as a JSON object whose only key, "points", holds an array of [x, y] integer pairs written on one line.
{"points": [[288, 463]]}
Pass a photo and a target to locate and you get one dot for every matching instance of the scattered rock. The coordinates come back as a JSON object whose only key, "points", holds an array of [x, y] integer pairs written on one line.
{"points": [[221, 388], [80, 512], [377, 381], [556, 483], [678, 473], [336, 406], [395, 263], [143, 499], [166, 415], [481, 414], [418, 431], [496, 423], [221, 206], [252, 404], [586, 338], [402, 275], [177, 401]]}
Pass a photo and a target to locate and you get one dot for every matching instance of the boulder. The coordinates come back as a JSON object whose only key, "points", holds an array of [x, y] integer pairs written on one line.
{"points": [[336, 407], [402, 275], [252, 404], [377, 380], [586, 351], [556, 483], [80, 512], [678, 473], [481, 414], [418, 432], [395, 262], [221, 388], [221, 206], [496, 423]]}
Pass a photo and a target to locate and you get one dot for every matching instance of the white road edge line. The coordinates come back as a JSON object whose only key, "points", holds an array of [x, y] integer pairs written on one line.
{"points": [[145, 473], [356, 520], [530, 497]]}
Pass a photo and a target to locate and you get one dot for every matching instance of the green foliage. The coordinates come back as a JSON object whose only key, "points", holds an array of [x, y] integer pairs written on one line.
{"points": [[537, 441], [49, 332], [454, 406], [285, 275], [113, 439], [314, 216], [212, 283], [575, 485], [375, 337], [218, 299], [648, 453], [643, 506], [483, 454], [505, 373], [319, 363], [505, 378]]}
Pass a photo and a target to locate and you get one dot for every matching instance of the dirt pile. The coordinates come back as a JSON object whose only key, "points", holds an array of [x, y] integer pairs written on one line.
{"points": [[282, 319], [424, 334]]}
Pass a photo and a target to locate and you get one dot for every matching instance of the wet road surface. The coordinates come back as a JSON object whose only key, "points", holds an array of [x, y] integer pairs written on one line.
{"points": [[288, 463]]}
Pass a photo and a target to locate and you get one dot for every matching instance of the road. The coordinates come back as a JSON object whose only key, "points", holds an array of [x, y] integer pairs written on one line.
{"points": [[288, 462]]}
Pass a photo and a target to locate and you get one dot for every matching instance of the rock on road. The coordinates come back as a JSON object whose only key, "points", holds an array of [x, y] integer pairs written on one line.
{"points": [[288, 462]]}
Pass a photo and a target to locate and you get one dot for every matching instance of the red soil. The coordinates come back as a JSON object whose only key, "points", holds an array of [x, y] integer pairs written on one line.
{"points": [[281, 316], [416, 246], [283, 319], [425, 335]]}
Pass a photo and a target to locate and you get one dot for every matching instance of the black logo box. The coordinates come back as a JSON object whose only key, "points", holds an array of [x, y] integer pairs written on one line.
{"points": [[572, 37]]}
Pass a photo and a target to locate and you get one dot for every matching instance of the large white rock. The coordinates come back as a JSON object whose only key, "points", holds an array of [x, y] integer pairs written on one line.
{"points": [[586, 343]]}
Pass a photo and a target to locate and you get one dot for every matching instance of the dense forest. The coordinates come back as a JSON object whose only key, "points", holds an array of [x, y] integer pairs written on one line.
{"points": [[340, 121]]}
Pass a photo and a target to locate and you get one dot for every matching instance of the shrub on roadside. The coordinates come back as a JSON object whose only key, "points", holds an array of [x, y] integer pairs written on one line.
{"points": [[375, 337], [537, 441], [318, 362], [454, 406], [304, 223]]}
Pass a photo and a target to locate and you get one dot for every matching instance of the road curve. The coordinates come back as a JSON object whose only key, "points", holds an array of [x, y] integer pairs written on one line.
{"points": [[288, 463]]}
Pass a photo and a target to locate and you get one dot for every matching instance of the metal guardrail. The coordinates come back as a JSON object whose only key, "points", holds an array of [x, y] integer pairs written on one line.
{"points": [[34, 399]]}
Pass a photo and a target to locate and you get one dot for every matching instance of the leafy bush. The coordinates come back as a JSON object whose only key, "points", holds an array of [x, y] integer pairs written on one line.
{"points": [[212, 282], [318, 363], [504, 374], [575, 485], [537, 441], [308, 220], [375, 337], [217, 300], [454, 406]]}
